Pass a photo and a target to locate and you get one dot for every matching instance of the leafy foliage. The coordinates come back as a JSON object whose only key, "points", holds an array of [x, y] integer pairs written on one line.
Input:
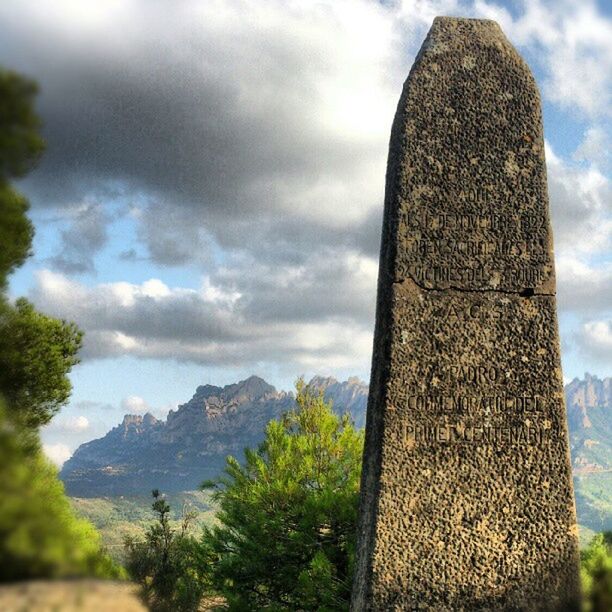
{"points": [[288, 516], [20, 142], [16, 231], [120, 516], [596, 573], [168, 563], [20, 149]]}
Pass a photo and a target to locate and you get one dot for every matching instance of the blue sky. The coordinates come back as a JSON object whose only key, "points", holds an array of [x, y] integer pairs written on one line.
{"points": [[210, 202]]}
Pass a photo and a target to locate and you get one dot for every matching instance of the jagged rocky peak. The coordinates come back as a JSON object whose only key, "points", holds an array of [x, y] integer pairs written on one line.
{"points": [[590, 392], [322, 383], [139, 421], [252, 389], [585, 395], [210, 402], [134, 426]]}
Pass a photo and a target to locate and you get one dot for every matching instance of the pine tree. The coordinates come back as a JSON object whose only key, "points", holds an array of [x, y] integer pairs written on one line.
{"points": [[287, 516]]}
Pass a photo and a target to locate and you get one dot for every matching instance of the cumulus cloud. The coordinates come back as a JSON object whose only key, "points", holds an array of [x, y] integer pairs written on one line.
{"points": [[249, 140], [134, 404], [571, 42], [257, 110], [582, 287], [58, 453], [595, 148], [263, 127], [581, 207]]}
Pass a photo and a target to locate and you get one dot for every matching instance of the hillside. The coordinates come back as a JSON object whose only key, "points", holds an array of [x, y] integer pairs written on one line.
{"points": [[191, 445], [589, 414]]}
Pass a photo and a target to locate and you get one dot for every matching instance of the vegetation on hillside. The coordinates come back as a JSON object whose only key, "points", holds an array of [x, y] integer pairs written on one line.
{"points": [[39, 534], [286, 527], [169, 563], [118, 518]]}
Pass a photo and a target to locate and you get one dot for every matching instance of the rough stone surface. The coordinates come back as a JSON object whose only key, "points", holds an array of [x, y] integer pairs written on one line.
{"points": [[467, 499]]}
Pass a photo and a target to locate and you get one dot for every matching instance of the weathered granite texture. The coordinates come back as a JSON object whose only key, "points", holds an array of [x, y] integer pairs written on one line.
{"points": [[467, 499]]}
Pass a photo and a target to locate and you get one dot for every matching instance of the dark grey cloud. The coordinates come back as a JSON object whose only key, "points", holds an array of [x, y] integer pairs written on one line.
{"points": [[331, 284], [90, 406], [229, 125], [128, 255]]}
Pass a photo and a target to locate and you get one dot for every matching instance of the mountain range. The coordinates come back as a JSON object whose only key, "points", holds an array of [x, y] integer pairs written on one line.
{"points": [[190, 446]]}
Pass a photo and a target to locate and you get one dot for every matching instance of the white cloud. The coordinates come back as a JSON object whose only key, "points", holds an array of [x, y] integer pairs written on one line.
{"points": [[595, 341], [583, 287], [595, 148], [294, 315], [571, 42], [580, 207], [73, 424], [250, 140], [134, 404], [58, 453]]}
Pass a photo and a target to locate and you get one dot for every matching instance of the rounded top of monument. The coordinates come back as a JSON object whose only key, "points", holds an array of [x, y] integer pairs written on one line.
{"points": [[465, 27], [444, 19]]}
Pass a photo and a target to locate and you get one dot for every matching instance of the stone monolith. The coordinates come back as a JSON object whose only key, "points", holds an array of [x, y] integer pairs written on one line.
{"points": [[467, 500]]}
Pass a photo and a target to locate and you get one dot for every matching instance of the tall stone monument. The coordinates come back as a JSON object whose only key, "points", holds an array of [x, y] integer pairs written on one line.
{"points": [[467, 500]]}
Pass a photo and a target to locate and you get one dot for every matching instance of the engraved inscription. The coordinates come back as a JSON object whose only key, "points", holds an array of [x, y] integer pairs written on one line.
{"points": [[483, 434], [475, 374], [475, 405], [463, 248]]}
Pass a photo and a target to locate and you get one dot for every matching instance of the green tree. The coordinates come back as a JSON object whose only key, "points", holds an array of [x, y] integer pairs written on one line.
{"points": [[168, 563], [596, 573], [287, 517], [36, 351], [39, 533]]}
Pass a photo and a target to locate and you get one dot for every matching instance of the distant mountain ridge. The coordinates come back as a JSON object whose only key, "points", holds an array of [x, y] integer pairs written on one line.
{"points": [[191, 444]]}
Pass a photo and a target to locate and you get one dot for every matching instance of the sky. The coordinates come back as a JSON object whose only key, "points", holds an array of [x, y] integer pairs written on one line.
{"points": [[210, 202]]}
